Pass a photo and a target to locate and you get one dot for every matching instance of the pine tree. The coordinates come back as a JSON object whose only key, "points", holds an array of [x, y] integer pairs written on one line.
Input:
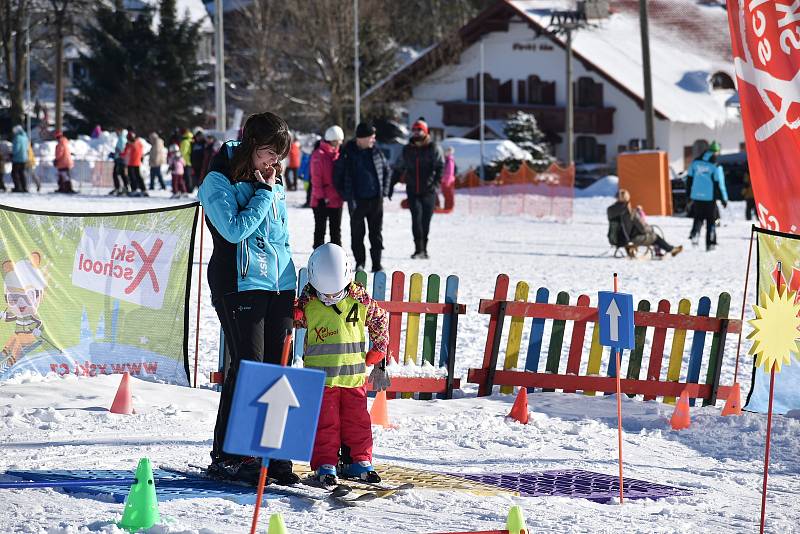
{"points": [[137, 77], [522, 129]]}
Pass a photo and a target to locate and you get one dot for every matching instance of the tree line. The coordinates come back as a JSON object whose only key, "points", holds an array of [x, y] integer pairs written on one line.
{"points": [[294, 57]]}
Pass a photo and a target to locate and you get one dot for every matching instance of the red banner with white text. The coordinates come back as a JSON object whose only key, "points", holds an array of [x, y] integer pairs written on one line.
{"points": [[765, 36]]}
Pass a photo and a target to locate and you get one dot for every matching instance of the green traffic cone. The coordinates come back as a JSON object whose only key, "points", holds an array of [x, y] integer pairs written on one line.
{"points": [[141, 505], [515, 524], [276, 525]]}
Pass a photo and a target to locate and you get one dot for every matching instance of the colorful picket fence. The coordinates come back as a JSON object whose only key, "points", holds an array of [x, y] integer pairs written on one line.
{"points": [[414, 308], [569, 375]]}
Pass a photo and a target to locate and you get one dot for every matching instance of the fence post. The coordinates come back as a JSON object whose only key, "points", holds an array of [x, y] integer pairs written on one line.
{"points": [[498, 334], [723, 333]]}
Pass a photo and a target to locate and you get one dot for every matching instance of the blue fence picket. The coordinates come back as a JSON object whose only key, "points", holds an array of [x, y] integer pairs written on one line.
{"points": [[537, 333], [450, 297], [300, 333], [698, 341], [378, 289]]}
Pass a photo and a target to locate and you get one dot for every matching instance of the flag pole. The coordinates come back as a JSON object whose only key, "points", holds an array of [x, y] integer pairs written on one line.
{"points": [[617, 352]]}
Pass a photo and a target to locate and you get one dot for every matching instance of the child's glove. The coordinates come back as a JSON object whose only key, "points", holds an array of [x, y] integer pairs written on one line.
{"points": [[374, 356], [299, 316], [380, 378]]}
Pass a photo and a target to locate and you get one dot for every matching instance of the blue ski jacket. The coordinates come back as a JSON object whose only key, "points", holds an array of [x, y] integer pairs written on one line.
{"points": [[704, 177], [248, 223], [19, 147]]}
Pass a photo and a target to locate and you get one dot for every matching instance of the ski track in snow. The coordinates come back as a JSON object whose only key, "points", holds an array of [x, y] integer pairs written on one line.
{"points": [[62, 423]]}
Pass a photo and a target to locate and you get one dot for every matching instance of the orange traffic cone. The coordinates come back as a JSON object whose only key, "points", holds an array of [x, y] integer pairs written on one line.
{"points": [[122, 401], [680, 417], [379, 413], [733, 404], [519, 411]]}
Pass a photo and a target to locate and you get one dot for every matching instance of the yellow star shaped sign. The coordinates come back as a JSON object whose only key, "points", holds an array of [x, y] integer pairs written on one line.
{"points": [[775, 329]]}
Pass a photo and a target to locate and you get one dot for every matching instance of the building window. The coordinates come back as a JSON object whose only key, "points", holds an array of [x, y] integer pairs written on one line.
{"points": [[588, 150], [535, 91], [493, 90], [589, 94], [721, 80]]}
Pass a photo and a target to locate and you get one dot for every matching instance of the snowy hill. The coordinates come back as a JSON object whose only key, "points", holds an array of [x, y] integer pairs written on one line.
{"points": [[61, 423]]}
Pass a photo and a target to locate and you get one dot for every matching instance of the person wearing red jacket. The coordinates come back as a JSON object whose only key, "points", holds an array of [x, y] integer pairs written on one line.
{"points": [[325, 200], [293, 165], [133, 157], [63, 163], [336, 311]]}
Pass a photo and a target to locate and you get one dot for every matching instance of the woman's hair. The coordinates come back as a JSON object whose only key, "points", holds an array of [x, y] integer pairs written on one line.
{"points": [[261, 129], [623, 196]]}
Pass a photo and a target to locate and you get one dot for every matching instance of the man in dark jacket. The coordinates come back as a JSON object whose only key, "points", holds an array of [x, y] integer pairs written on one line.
{"points": [[361, 176], [420, 167]]}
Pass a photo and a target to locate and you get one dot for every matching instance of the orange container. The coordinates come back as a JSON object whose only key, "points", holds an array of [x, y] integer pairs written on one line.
{"points": [[646, 176]]}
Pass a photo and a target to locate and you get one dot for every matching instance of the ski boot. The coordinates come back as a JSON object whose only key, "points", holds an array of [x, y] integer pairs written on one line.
{"points": [[326, 476], [361, 471], [245, 469]]}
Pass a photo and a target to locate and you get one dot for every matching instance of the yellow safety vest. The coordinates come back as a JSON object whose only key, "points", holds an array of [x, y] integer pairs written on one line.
{"points": [[335, 341]]}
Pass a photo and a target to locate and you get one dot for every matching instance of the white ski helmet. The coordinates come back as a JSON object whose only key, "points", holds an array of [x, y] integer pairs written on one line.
{"points": [[334, 133], [328, 269]]}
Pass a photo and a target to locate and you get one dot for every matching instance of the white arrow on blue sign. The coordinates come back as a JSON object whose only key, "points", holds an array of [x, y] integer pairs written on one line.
{"points": [[274, 412], [615, 319]]}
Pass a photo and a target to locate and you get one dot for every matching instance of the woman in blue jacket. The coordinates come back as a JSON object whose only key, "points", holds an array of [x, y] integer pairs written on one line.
{"points": [[251, 274]]}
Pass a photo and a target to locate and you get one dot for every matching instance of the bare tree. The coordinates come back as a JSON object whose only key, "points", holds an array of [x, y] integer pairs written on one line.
{"points": [[14, 20], [63, 12]]}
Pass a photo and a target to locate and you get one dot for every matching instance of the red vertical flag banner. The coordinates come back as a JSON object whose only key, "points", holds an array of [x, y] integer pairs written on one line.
{"points": [[765, 37]]}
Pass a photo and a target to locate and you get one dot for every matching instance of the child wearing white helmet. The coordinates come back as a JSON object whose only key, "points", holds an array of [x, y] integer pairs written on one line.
{"points": [[336, 311]]}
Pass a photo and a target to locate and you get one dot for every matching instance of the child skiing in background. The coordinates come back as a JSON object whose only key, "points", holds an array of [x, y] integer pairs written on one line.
{"points": [[336, 310], [177, 168]]}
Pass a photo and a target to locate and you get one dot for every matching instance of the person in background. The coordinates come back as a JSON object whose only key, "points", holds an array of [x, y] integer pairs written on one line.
{"points": [[420, 167], [19, 157], [209, 151], [325, 200], [176, 168], [749, 197], [198, 155], [245, 207], [96, 131], [63, 164], [119, 174], [706, 183], [293, 166], [448, 180], [634, 228], [5, 155], [30, 167], [157, 159], [304, 172], [185, 143], [361, 176], [133, 157]]}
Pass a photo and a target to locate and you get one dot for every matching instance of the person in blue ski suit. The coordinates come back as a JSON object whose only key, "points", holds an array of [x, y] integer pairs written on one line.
{"points": [[19, 158], [251, 273], [705, 183]]}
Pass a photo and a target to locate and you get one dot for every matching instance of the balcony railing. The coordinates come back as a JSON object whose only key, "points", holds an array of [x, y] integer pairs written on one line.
{"points": [[597, 121]]}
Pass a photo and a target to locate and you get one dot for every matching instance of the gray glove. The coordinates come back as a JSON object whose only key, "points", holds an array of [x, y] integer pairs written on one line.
{"points": [[380, 377]]}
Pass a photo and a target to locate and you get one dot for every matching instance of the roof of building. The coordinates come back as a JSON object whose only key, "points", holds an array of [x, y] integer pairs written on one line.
{"points": [[689, 41], [195, 10]]}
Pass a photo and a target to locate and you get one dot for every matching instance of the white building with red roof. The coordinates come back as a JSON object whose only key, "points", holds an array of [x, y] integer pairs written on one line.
{"points": [[525, 69]]}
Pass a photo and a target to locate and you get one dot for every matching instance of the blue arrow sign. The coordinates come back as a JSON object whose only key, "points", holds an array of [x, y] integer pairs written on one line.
{"points": [[615, 319], [275, 411]]}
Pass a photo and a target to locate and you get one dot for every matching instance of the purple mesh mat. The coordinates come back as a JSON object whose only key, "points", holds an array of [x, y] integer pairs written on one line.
{"points": [[574, 483]]}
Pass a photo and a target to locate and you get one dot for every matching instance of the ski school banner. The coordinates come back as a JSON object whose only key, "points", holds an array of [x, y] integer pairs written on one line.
{"points": [[90, 294], [772, 247], [765, 36]]}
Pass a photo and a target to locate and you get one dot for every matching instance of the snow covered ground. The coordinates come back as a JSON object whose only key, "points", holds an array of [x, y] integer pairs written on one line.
{"points": [[60, 423]]}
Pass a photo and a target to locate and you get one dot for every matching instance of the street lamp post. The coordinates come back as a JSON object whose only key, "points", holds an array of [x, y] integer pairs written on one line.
{"points": [[356, 64], [219, 67]]}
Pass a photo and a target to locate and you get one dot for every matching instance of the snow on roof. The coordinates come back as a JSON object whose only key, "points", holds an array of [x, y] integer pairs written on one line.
{"points": [[689, 42], [195, 10]]}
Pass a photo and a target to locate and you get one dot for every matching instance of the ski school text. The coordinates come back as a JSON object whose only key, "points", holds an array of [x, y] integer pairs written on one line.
{"points": [[109, 268], [93, 369]]}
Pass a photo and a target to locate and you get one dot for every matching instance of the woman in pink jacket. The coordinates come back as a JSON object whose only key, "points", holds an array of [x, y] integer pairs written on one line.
{"points": [[63, 163], [325, 201], [449, 179]]}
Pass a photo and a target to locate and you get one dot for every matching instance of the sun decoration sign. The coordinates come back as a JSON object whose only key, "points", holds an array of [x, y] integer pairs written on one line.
{"points": [[775, 329]]}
